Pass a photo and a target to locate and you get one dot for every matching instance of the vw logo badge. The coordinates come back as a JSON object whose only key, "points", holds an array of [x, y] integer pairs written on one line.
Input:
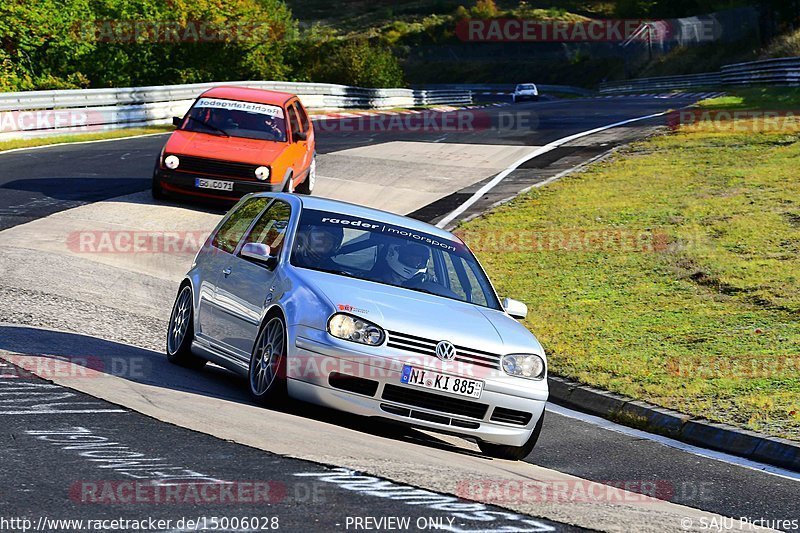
{"points": [[445, 351]]}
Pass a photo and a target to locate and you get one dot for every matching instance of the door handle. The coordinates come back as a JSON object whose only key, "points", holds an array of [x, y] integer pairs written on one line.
{"points": [[226, 272]]}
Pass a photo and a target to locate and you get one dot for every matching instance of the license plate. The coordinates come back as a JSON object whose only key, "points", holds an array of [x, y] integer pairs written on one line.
{"points": [[426, 379], [217, 185]]}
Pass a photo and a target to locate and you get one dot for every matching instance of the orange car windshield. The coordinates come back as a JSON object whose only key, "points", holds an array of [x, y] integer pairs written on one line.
{"points": [[230, 118]]}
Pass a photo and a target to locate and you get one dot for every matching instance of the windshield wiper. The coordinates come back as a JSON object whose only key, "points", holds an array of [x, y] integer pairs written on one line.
{"points": [[210, 126], [334, 271], [420, 289]]}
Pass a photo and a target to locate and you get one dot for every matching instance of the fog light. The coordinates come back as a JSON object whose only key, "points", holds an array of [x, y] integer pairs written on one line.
{"points": [[172, 162], [262, 173], [528, 366]]}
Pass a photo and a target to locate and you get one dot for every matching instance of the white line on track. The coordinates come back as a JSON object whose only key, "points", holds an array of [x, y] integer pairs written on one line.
{"points": [[672, 443], [73, 143], [536, 153]]}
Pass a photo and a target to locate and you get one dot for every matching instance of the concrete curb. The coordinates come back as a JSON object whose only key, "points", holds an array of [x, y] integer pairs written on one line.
{"points": [[679, 426]]}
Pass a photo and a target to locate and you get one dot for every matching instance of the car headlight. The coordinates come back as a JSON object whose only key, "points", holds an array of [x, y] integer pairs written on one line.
{"points": [[172, 162], [262, 173], [528, 366], [355, 329]]}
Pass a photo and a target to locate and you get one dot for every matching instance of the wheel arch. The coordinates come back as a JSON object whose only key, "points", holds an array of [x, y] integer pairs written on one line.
{"points": [[286, 177]]}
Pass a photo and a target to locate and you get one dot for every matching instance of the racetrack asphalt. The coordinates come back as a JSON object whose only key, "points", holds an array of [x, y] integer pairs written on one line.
{"points": [[39, 183]]}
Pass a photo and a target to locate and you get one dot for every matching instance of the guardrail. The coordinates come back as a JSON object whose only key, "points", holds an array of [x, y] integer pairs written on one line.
{"points": [[662, 83], [780, 71], [38, 113], [508, 88]]}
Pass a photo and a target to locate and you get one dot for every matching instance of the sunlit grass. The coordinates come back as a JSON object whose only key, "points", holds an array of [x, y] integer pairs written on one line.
{"points": [[669, 274]]}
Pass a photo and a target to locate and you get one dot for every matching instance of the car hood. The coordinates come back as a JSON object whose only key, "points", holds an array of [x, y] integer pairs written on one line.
{"points": [[423, 315], [237, 149]]}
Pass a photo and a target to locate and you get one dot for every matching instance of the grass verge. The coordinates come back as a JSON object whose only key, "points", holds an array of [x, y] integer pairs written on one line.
{"points": [[79, 137], [670, 273]]}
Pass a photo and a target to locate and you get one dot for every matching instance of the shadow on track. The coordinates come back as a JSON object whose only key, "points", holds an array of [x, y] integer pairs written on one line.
{"points": [[152, 368]]}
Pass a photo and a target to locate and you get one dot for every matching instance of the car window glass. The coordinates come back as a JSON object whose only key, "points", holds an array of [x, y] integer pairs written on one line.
{"points": [[216, 116], [360, 257], [294, 122], [476, 294], [232, 230], [271, 227], [303, 116], [392, 255], [452, 277]]}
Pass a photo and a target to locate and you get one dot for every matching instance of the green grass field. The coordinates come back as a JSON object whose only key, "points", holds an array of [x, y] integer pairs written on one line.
{"points": [[669, 273]]}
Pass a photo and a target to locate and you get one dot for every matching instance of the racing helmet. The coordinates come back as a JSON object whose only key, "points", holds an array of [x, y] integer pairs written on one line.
{"points": [[407, 260], [320, 241]]}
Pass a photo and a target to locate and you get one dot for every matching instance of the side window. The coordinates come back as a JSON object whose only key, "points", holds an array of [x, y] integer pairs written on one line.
{"points": [[231, 232], [477, 295], [452, 277], [294, 121], [463, 280], [271, 227], [303, 116]]}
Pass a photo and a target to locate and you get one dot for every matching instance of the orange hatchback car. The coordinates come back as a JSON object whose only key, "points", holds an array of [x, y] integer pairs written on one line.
{"points": [[235, 141]]}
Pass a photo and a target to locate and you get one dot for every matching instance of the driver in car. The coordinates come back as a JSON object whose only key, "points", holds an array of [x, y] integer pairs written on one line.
{"points": [[317, 245], [405, 262], [271, 127]]}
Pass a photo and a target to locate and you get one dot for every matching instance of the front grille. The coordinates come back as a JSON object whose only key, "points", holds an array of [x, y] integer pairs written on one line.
{"points": [[215, 167], [367, 387], [510, 416], [411, 343], [434, 402]]}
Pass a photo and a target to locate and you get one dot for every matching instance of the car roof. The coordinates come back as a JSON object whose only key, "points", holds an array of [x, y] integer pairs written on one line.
{"points": [[346, 208], [246, 94]]}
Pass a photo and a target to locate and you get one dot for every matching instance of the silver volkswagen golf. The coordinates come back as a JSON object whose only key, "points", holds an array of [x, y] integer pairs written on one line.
{"points": [[366, 312]]}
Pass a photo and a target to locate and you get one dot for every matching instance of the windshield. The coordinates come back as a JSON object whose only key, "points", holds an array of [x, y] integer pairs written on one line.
{"points": [[232, 118], [393, 255], [525, 87]]}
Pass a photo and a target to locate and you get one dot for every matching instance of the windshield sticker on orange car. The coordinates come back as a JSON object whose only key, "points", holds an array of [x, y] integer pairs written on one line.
{"points": [[233, 105]]}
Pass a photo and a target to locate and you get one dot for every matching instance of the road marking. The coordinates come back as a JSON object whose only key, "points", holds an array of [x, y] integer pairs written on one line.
{"points": [[73, 143], [466, 511], [536, 153], [19, 397], [672, 443], [119, 458]]}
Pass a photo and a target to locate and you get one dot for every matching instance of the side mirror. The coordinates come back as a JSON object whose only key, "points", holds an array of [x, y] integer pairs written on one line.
{"points": [[258, 252], [177, 121], [299, 136], [515, 308]]}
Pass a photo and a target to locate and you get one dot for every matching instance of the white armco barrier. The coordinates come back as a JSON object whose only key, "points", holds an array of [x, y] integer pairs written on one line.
{"points": [[37, 113], [781, 71]]}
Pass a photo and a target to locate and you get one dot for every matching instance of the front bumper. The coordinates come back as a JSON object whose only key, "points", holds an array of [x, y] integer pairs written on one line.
{"points": [[317, 363], [183, 183]]}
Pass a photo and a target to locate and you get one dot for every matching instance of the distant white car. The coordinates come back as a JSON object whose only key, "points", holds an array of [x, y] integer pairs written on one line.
{"points": [[525, 91]]}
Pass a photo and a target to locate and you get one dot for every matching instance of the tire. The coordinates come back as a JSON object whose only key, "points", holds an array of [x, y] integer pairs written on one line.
{"points": [[181, 331], [307, 187], [513, 453], [266, 376]]}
